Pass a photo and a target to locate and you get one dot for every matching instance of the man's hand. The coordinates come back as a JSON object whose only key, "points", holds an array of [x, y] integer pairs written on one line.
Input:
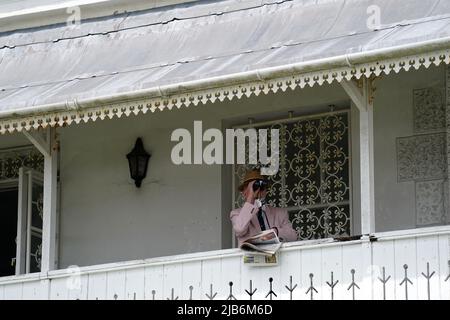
{"points": [[250, 195]]}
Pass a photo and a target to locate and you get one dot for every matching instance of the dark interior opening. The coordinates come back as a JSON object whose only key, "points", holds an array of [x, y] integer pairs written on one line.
{"points": [[8, 215]]}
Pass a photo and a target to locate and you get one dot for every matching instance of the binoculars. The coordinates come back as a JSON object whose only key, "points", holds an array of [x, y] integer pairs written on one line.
{"points": [[260, 185]]}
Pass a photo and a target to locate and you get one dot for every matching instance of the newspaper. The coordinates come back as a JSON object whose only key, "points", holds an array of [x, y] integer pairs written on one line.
{"points": [[262, 248]]}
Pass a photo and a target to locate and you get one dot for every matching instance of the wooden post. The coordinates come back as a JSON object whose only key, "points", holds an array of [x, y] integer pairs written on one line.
{"points": [[50, 200], [48, 146], [361, 97], [21, 225]]}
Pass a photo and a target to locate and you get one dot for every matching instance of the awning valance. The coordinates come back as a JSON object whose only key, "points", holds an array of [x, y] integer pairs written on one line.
{"points": [[209, 51]]}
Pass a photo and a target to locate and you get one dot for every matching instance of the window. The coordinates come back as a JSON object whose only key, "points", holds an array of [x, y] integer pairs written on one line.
{"points": [[314, 177]]}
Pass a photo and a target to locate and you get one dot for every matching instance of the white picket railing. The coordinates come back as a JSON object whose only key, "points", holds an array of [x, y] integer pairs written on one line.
{"points": [[399, 265]]}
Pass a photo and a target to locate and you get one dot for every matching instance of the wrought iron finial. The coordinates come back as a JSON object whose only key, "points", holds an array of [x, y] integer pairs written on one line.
{"points": [[290, 288], [406, 280], [311, 289], [190, 292], [384, 280], [231, 296], [271, 292], [448, 277], [251, 292], [173, 296], [211, 295], [332, 284], [428, 277], [353, 285]]}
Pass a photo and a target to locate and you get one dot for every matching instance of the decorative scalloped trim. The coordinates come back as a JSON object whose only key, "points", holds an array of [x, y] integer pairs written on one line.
{"points": [[248, 89]]}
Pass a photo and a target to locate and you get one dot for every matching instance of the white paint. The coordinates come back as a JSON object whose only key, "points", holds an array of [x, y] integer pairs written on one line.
{"points": [[13, 291], [35, 290], [97, 286], [154, 279], [428, 254], [178, 273], [191, 276], [211, 273], [49, 220], [135, 284], [444, 266], [406, 256], [22, 210], [361, 98], [384, 257], [288, 260], [173, 279], [39, 142], [116, 285]]}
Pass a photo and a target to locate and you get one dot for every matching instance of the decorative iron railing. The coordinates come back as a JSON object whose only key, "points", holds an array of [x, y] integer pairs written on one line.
{"points": [[402, 266]]}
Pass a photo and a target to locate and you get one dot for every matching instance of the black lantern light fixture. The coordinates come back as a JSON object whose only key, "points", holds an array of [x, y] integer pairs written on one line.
{"points": [[138, 162]]}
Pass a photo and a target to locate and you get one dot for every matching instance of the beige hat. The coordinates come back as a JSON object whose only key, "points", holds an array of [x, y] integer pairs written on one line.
{"points": [[250, 176]]}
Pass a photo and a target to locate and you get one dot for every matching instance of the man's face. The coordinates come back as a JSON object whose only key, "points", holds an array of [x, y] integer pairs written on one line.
{"points": [[261, 194]]}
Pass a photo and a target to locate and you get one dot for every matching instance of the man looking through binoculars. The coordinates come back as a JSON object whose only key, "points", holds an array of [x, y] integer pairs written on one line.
{"points": [[255, 215]]}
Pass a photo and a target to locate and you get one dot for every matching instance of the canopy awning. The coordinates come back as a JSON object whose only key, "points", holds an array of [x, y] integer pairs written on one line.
{"points": [[209, 51]]}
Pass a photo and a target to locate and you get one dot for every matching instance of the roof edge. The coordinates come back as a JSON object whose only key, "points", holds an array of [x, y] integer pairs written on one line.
{"points": [[297, 75], [45, 15]]}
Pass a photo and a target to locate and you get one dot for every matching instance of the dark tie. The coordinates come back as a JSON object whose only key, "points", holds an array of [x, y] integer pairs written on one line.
{"points": [[261, 219]]}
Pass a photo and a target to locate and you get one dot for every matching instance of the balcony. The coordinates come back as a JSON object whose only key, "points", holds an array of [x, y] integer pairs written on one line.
{"points": [[411, 264]]}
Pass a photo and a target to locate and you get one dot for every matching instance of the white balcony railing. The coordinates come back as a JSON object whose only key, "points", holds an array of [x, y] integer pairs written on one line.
{"points": [[399, 265]]}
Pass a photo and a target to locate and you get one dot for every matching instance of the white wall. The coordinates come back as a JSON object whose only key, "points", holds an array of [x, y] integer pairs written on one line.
{"points": [[393, 118]]}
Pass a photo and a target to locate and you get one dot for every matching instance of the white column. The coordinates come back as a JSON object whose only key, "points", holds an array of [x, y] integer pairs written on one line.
{"points": [[50, 201], [21, 223], [361, 98], [48, 146]]}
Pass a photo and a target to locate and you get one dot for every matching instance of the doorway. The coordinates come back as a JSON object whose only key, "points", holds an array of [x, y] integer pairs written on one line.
{"points": [[8, 214]]}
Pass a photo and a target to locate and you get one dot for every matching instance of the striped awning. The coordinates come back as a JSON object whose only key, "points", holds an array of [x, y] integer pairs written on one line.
{"points": [[208, 51]]}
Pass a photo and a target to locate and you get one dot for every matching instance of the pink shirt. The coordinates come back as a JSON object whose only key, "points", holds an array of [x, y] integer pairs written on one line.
{"points": [[245, 222]]}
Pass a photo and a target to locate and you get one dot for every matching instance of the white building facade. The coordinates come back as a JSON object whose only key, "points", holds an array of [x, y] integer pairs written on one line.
{"points": [[361, 100]]}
